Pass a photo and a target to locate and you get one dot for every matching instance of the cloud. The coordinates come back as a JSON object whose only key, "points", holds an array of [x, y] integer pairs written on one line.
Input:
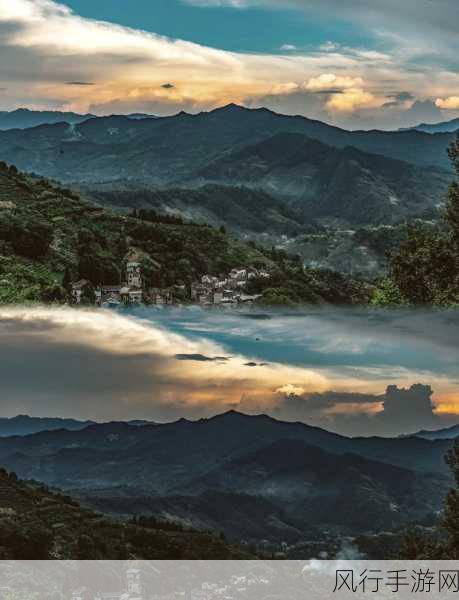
{"points": [[83, 362], [397, 411], [330, 46], [441, 15], [346, 95], [423, 111], [352, 99], [451, 103], [254, 364], [329, 80], [79, 83], [398, 99], [326, 368], [201, 358], [43, 43]]}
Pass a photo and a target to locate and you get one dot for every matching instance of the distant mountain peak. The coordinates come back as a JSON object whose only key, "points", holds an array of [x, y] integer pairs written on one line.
{"points": [[230, 108], [237, 416]]}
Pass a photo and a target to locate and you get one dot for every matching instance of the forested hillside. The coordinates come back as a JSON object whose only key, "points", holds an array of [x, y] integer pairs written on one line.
{"points": [[49, 237]]}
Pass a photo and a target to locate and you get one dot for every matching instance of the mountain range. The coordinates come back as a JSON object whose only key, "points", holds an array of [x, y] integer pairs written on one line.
{"points": [[443, 127], [448, 433], [282, 478], [23, 118], [322, 181], [25, 425], [322, 171]]}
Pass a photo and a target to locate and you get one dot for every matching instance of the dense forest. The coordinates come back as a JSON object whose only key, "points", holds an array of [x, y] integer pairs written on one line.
{"points": [[37, 523], [424, 270]]}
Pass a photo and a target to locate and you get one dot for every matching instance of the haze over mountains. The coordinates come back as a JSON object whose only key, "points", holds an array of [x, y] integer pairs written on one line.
{"points": [[444, 126], [358, 177], [281, 478], [172, 148], [22, 118], [25, 425]]}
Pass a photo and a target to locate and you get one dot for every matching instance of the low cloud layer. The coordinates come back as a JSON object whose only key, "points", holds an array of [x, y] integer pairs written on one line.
{"points": [[329, 369]]}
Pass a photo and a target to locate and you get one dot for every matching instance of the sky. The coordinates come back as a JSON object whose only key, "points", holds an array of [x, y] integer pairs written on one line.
{"points": [[356, 372], [353, 63]]}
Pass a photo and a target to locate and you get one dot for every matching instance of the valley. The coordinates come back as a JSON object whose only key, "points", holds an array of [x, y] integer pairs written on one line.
{"points": [[264, 483]]}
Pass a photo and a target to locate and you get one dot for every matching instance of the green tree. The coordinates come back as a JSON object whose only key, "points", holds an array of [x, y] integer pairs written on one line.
{"points": [[31, 238], [444, 544], [425, 269], [452, 209], [451, 516]]}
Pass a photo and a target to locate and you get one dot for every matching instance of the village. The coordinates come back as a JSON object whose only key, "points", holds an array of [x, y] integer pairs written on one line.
{"points": [[225, 290]]}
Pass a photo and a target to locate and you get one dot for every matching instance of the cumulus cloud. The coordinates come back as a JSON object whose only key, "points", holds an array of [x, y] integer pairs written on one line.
{"points": [[326, 81], [397, 411], [451, 103]]}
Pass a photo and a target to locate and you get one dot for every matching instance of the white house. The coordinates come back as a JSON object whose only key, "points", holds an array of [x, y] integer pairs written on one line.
{"points": [[134, 270]]}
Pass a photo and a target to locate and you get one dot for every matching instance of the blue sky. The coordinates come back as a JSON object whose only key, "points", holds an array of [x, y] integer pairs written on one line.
{"points": [[249, 30], [352, 63]]}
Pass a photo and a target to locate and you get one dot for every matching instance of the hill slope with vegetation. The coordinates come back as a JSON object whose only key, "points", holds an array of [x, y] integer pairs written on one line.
{"points": [[49, 237], [324, 182], [39, 524], [424, 270]]}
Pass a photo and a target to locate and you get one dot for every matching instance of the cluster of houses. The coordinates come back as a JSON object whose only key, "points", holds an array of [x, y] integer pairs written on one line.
{"points": [[228, 290], [130, 292]]}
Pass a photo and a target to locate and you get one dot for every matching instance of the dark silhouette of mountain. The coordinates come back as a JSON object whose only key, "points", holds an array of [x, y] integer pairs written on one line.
{"points": [[449, 433], [170, 149], [288, 491], [323, 181], [166, 457], [23, 118], [277, 475], [443, 127], [345, 490], [25, 425]]}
